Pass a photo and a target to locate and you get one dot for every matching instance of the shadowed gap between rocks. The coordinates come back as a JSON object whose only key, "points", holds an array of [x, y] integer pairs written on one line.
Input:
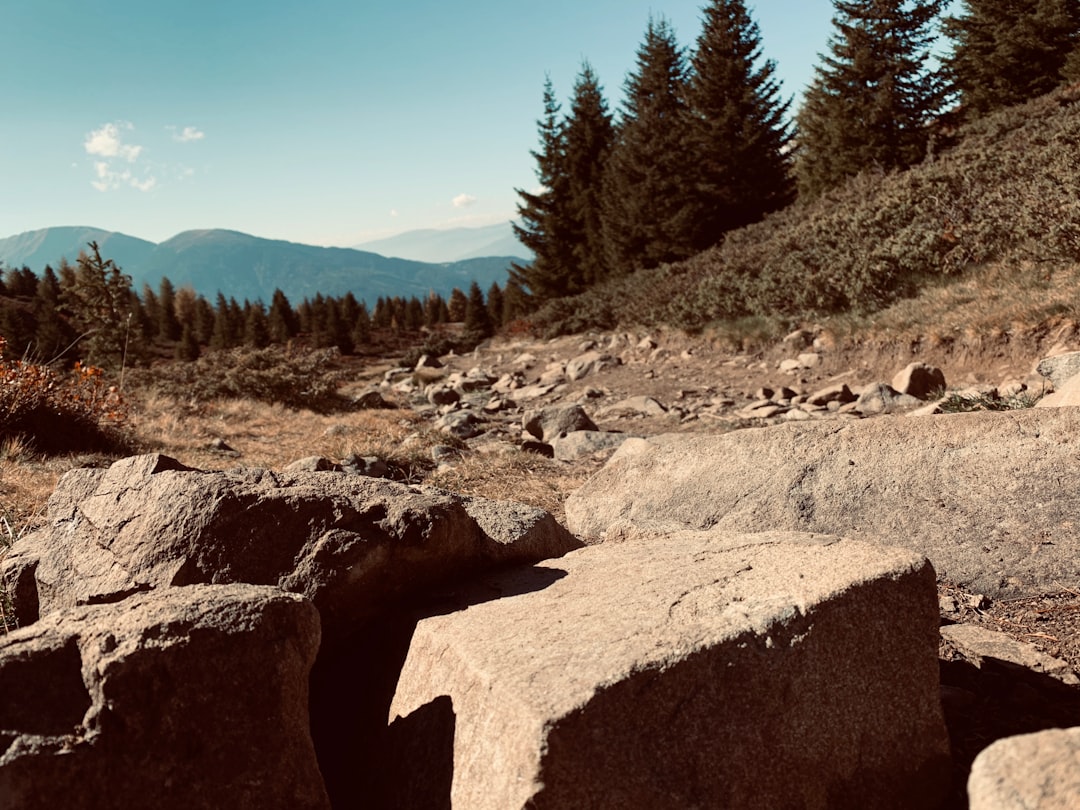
{"points": [[352, 686]]}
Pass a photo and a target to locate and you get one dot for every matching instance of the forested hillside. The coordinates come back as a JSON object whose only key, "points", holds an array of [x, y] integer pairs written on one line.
{"points": [[904, 169]]}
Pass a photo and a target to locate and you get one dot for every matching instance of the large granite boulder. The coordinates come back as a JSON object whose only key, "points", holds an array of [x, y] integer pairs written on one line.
{"points": [[708, 669], [1038, 771], [182, 698], [988, 497], [351, 544]]}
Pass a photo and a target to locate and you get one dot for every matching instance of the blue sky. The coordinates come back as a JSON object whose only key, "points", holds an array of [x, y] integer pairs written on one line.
{"points": [[328, 121]]}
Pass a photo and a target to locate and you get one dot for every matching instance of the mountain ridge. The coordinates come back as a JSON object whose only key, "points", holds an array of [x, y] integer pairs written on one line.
{"points": [[244, 266]]}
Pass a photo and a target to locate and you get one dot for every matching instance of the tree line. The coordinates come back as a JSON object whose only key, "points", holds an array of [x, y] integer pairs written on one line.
{"points": [[89, 310], [703, 142]]}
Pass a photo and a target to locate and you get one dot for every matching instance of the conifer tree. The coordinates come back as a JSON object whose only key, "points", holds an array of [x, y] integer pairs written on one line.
{"points": [[256, 325], [563, 225], [457, 305], [544, 227], [1005, 52], [739, 139], [495, 305], [646, 202], [187, 349], [337, 332], [99, 300], [477, 321], [872, 98], [515, 302], [53, 334], [223, 335], [590, 135], [361, 332], [283, 322], [150, 324], [204, 321], [168, 325]]}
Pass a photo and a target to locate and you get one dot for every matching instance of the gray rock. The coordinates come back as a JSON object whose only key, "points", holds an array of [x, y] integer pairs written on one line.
{"points": [[989, 497], [442, 393], [633, 406], [919, 380], [684, 671], [370, 400], [427, 361], [588, 363], [1029, 771], [834, 393], [1060, 368], [879, 398], [583, 443], [1065, 395], [460, 424], [313, 464], [180, 698], [371, 466], [547, 424], [350, 543], [984, 647]]}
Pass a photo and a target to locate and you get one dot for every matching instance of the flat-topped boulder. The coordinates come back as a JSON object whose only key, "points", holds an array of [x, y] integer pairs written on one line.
{"points": [[990, 498], [180, 698], [701, 669]]}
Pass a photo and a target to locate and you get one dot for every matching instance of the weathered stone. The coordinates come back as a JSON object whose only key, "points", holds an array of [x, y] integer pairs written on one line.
{"points": [[1065, 395], [350, 543], [790, 366], [442, 393], [181, 698], [881, 398], [547, 424], [989, 497], [1040, 770], [980, 646], [809, 360], [427, 361], [633, 406], [919, 380], [370, 400], [683, 671], [312, 464], [834, 393], [588, 363], [460, 424], [581, 443], [372, 466], [1060, 368]]}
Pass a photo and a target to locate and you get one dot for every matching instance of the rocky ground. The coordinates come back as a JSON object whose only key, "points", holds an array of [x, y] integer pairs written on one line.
{"points": [[649, 384]]}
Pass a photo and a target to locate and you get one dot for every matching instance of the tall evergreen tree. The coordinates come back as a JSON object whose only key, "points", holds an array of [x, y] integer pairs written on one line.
{"points": [[53, 334], [563, 225], [477, 320], [256, 325], [646, 204], [1008, 51], [872, 98], [457, 305], [361, 332], [590, 135], [168, 325], [739, 138], [283, 321], [495, 304]]}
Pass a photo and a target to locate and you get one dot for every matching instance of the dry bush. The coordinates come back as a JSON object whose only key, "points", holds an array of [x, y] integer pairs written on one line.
{"points": [[294, 378], [60, 413]]}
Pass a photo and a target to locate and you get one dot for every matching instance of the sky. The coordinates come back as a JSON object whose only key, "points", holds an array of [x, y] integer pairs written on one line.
{"points": [[328, 122]]}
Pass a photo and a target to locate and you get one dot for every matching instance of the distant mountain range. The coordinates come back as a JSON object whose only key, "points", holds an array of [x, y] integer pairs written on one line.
{"points": [[242, 266], [450, 245]]}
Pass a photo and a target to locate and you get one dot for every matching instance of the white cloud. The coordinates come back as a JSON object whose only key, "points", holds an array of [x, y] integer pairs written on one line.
{"points": [[463, 200], [107, 141], [188, 134], [116, 168], [393, 212]]}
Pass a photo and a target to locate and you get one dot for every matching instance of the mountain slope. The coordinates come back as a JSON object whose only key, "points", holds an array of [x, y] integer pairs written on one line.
{"points": [[450, 245], [35, 249], [1005, 192], [243, 266]]}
